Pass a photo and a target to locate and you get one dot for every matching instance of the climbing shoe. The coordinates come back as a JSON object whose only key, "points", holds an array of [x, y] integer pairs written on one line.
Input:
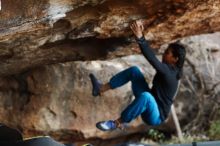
{"points": [[95, 85], [106, 125]]}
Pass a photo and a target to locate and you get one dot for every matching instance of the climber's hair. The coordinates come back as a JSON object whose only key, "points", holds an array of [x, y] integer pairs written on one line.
{"points": [[178, 51]]}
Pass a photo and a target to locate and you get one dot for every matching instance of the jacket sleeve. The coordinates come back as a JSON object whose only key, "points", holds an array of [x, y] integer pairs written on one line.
{"points": [[150, 56]]}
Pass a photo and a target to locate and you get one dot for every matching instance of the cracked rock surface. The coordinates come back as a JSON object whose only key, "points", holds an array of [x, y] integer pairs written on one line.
{"points": [[48, 48], [35, 33]]}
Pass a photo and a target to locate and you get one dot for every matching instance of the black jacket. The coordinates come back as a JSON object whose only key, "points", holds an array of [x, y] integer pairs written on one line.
{"points": [[165, 81]]}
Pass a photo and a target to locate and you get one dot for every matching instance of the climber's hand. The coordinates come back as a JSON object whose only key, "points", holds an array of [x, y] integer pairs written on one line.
{"points": [[137, 28]]}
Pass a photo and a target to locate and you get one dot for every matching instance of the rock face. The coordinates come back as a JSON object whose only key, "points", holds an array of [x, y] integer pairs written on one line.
{"points": [[49, 31], [56, 99], [43, 99]]}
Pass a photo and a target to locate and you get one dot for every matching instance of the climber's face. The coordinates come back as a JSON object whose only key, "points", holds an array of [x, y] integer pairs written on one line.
{"points": [[168, 57]]}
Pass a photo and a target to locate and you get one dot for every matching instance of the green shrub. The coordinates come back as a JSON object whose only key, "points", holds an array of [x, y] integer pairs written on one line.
{"points": [[214, 131], [156, 135]]}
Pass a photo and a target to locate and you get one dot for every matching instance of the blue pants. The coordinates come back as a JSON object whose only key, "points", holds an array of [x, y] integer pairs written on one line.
{"points": [[144, 103]]}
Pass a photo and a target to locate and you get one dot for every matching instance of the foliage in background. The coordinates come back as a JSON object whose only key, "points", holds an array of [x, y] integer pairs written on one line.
{"points": [[214, 131], [156, 135]]}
